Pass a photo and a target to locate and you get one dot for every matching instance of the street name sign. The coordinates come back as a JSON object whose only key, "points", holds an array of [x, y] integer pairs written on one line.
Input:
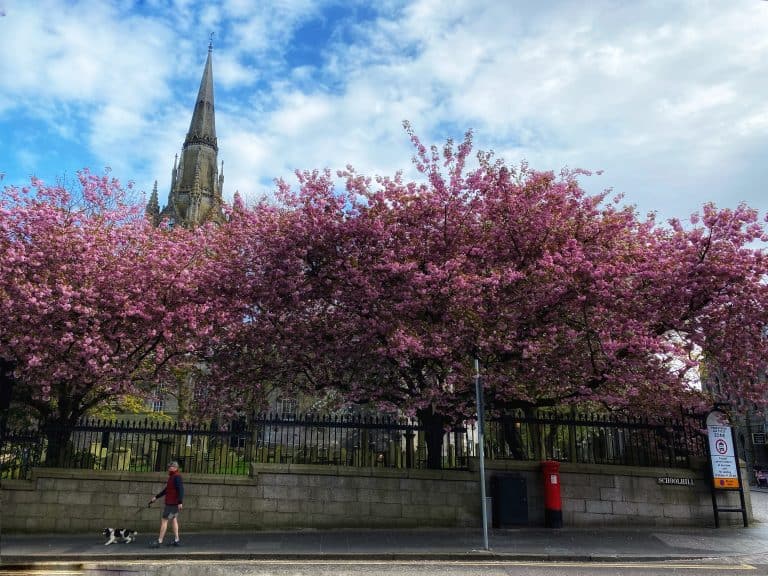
{"points": [[674, 481]]}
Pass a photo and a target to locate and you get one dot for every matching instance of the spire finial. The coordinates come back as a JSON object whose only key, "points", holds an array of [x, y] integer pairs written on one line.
{"points": [[210, 44]]}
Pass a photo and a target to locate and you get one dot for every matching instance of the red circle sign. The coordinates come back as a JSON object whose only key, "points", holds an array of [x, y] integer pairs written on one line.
{"points": [[721, 446]]}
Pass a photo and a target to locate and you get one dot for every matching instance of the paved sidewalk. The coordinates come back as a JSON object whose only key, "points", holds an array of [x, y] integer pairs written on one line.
{"points": [[521, 544], [759, 497], [641, 544]]}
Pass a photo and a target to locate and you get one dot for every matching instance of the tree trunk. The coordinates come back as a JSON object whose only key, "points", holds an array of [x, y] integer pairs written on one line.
{"points": [[58, 450], [58, 427], [434, 427], [513, 437], [7, 382]]}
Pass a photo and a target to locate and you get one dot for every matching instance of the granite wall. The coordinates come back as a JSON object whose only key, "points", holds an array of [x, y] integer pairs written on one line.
{"points": [[283, 496]]}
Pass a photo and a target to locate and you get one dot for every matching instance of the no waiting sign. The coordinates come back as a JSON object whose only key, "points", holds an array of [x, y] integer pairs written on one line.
{"points": [[724, 472]]}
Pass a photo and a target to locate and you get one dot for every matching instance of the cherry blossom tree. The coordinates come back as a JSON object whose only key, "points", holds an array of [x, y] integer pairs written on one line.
{"points": [[94, 301], [384, 292], [267, 257], [388, 289], [626, 309]]}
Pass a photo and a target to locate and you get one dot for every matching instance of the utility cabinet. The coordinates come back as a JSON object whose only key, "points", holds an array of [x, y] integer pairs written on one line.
{"points": [[510, 501]]}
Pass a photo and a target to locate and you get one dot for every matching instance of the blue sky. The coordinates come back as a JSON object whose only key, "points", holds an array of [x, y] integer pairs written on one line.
{"points": [[669, 98]]}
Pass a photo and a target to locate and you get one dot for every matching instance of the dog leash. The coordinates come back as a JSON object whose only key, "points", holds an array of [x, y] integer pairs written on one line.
{"points": [[140, 508]]}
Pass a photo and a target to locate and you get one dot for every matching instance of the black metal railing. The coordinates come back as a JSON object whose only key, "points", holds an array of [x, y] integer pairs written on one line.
{"points": [[594, 439], [143, 446], [20, 451]]}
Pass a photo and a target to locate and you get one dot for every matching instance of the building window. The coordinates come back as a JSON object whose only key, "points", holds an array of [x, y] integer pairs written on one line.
{"points": [[158, 403], [286, 408]]}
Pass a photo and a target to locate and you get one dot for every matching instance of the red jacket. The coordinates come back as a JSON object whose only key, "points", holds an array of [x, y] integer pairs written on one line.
{"points": [[174, 489]]}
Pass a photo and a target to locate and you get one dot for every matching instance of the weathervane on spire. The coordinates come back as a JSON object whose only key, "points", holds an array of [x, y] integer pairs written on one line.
{"points": [[210, 44]]}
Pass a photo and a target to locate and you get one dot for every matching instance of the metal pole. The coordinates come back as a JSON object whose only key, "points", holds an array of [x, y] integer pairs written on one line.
{"points": [[481, 450], [742, 500]]}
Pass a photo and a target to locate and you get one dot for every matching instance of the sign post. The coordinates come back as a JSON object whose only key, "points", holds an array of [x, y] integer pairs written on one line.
{"points": [[481, 451], [724, 463]]}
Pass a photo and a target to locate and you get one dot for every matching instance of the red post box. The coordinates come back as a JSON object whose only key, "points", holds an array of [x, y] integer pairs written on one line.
{"points": [[553, 506]]}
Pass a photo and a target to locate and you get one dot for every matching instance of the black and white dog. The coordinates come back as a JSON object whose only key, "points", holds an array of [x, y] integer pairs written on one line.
{"points": [[113, 534]]}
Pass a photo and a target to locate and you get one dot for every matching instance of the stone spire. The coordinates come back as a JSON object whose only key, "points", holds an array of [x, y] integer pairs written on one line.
{"points": [[174, 171], [153, 207], [195, 195], [202, 128]]}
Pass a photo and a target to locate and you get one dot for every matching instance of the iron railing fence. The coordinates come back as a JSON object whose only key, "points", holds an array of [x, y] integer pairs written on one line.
{"points": [[595, 439], [143, 446], [19, 452]]}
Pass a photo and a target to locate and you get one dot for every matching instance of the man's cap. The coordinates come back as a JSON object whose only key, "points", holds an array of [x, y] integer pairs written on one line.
{"points": [[173, 463]]}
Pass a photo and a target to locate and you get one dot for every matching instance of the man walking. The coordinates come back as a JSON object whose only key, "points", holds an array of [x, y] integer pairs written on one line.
{"points": [[174, 496]]}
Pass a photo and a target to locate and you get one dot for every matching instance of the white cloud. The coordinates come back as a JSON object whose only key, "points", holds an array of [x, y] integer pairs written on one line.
{"points": [[698, 101], [89, 71], [82, 52], [231, 73], [600, 88], [668, 98], [300, 113], [248, 159], [754, 123], [258, 27], [210, 17]]}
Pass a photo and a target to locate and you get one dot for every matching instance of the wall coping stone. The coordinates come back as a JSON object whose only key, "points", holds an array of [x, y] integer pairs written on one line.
{"points": [[83, 474], [601, 469], [154, 477], [17, 485], [349, 471], [370, 472]]}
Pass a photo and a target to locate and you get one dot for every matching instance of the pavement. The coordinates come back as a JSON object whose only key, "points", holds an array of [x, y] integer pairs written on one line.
{"points": [[525, 543], [448, 544]]}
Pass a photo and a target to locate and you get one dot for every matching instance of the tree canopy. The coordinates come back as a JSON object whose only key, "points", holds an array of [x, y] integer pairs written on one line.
{"points": [[94, 301], [388, 289], [385, 291]]}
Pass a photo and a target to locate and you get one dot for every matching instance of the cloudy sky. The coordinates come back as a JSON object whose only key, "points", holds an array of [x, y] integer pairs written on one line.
{"points": [[669, 98]]}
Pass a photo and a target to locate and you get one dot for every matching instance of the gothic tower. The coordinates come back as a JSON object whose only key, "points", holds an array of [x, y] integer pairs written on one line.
{"points": [[196, 181]]}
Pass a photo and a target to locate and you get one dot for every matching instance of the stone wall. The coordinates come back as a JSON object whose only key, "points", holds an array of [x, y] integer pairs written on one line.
{"points": [[274, 497], [601, 495], [300, 496]]}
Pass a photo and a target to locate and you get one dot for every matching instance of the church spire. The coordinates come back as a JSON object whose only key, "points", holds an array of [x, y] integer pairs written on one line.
{"points": [[153, 207], [196, 184], [202, 128]]}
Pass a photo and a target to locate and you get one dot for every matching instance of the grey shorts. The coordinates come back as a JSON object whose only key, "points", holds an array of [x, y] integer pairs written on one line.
{"points": [[170, 512]]}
